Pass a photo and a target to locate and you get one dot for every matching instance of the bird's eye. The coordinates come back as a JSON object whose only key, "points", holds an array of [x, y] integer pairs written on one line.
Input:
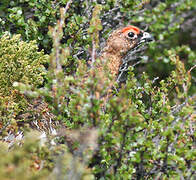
{"points": [[131, 34]]}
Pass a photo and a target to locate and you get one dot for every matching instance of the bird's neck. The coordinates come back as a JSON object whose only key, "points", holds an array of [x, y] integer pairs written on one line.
{"points": [[113, 61]]}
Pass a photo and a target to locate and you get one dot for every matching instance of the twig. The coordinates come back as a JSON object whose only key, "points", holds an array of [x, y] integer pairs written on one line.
{"points": [[67, 6], [93, 52], [60, 28], [192, 68], [177, 108]]}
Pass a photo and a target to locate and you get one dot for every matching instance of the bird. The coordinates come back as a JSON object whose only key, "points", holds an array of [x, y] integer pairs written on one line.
{"points": [[119, 43]]}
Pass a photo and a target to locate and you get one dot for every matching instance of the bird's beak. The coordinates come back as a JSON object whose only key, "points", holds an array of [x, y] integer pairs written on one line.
{"points": [[146, 37]]}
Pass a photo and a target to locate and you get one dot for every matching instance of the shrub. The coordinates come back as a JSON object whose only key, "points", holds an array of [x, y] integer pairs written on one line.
{"points": [[19, 62]]}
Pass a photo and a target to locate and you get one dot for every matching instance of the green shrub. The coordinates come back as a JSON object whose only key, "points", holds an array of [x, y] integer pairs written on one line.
{"points": [[146, 129], [19, 62]]}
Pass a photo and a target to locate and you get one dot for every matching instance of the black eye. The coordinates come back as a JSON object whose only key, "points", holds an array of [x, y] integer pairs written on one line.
{"points": [[131, 34]]}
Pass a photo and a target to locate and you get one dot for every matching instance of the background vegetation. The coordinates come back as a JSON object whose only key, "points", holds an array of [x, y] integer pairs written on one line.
{"points": [[146, 130]]}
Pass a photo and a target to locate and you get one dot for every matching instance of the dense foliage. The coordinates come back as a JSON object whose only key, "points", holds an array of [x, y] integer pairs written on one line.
{"points": [[147, 128], [20, 62]]}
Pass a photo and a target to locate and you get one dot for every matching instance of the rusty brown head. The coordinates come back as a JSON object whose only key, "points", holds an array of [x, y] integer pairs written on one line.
{"points": [[124, 39]]}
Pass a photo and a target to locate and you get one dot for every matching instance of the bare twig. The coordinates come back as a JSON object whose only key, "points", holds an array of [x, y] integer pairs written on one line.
{"points": [[192, 68], [58, 31], [93, 56]]}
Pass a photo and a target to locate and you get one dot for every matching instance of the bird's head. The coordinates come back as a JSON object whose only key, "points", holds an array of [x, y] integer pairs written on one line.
{"points": [[124, 39]]}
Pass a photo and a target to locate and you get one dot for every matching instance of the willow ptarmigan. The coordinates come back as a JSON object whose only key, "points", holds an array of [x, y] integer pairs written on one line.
{"points": [[119, 43]]}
